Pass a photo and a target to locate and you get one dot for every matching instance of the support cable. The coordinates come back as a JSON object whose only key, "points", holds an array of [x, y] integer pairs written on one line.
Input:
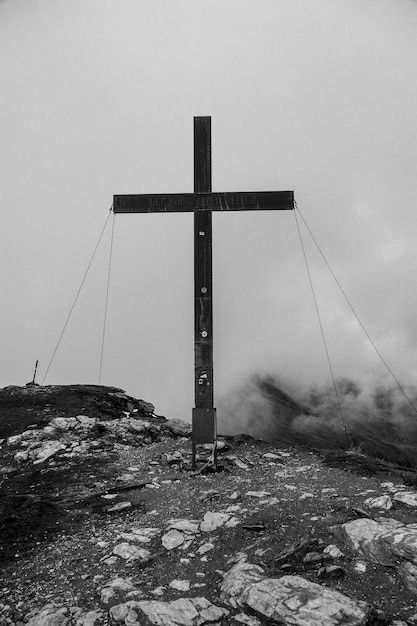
{"points": [[356, 315], [322, 332], [107, 301], [76, 297]]}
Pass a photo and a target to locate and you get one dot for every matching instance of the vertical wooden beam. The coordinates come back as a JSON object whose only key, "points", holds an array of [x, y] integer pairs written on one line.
{"points": [[204, 419]]}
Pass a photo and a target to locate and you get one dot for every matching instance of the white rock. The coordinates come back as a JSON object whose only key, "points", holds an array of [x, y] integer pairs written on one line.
{"points": [[184, 525], [118, 590], [21, 456], [86, 423], [406, 497], [187, 543], [49, 615], [15, 439], [360, 567], [182, 612], [173, 539], [173, 458], [130, 552], [289, 599], [91, 618], [63, 423], [387, 542], [272, 501], [119, 506], [125, 477], [180, 585], [213, 520], [271, 456], [232, 522], [382, 502], [258, 494], [364, 535], [49, 430], [140, 535], [249, 620], [138, 427], [158, 591], [177, 427], [333, 551], [206, 547], [47, 450], [238, 462], [303, 468]]}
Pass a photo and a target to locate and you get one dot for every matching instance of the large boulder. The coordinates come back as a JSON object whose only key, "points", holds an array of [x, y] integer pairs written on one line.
{"points": [[291, 600], [385, 541], [177, 428]]}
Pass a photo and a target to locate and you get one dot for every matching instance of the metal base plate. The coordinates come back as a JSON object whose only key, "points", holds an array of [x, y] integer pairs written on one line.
{"points": [[204, 426]]}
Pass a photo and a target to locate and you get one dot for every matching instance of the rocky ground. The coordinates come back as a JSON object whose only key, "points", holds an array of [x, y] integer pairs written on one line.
{"points": [[103, 521]]}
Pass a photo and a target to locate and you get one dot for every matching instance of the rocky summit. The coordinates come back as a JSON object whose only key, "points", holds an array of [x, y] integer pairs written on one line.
{"points": [[104, 522]]}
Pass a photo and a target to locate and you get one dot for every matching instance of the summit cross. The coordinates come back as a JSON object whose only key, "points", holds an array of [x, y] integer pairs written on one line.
{"points": [[202, 202]]}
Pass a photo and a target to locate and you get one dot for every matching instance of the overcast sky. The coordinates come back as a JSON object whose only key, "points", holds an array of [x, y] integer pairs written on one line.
{"points": [[98, 98]]}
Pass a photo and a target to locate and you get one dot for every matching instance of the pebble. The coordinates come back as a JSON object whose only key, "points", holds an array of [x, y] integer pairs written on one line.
{"points": [[206, 547], [131, 552], [360, 567], [173, 539], [180, 585], [333, 551], [119, 506], [382, 502], [258, 494]]}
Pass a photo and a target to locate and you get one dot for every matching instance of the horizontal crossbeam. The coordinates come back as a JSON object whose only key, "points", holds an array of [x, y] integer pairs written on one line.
{"points": [[191, 202]]}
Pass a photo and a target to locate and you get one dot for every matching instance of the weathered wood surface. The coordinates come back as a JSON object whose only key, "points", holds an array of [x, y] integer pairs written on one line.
{"points": [[204, 201]]}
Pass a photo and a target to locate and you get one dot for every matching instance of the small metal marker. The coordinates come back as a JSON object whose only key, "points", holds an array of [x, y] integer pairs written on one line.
{"points": [[34, 373], [202, 202]]}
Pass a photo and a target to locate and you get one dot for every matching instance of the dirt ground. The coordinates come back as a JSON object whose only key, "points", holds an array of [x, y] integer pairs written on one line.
{"points": [[58, 537]]}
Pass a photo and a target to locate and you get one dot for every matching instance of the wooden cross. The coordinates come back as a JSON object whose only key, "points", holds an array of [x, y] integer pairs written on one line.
{"points": [[202, 202]]}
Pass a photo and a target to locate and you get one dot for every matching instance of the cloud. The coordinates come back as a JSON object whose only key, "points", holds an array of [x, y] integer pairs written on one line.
{"points": [[101, 101]]}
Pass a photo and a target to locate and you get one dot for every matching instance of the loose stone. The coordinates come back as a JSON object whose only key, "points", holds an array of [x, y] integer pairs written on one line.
{"points": [[172, 539], [131, 552]]}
